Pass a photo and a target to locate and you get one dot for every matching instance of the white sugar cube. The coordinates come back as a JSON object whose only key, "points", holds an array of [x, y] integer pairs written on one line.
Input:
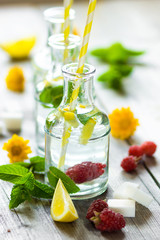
{"points": [[130, 191], [13, 120], [125, 207], [121, 191]]}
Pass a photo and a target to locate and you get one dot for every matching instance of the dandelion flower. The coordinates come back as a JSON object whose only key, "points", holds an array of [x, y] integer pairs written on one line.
{"points": [[17, 149], [123, 124], [15, 79]]}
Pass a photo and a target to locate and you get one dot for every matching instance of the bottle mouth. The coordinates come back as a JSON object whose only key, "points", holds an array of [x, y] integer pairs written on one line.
{"points": [[56, 14], [57, 41], [70, 70]]}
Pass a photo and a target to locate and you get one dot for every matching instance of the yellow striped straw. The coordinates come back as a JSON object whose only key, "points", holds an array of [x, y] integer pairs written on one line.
{"points": [[83, 51], [67, 6], [82, 56]]}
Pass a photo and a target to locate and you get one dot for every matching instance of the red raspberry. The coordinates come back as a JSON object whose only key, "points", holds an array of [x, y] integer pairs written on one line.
{"points": [[149, 148], [96, 206], [129, 163], [135, 151], [110, 221], [85, 171]]}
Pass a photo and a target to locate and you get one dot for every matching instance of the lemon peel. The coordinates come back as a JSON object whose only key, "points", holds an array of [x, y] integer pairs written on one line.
{"points": [[87, 131], [19, 49], [62, 207]]}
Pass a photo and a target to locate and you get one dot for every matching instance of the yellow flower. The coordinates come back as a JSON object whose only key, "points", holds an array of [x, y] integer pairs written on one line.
{"points": [[19, 49], [17, 149], [123, 124], [15, 79]]}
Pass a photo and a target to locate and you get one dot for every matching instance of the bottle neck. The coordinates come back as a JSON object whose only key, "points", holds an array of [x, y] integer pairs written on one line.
{"points": [[84, 102], [62, 52]]}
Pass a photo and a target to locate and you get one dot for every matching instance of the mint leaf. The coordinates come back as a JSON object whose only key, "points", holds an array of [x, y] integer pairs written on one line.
{"points": [[53, 176], [124, 70], [23, 164], [83, 118], [18, 195], [27, 180], [52, 95], [12, 173], [38, 163], [42, 190], [115, 54]]}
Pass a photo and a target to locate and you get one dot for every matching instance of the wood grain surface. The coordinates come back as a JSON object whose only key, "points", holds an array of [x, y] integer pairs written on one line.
{"points": [[137, 25]]}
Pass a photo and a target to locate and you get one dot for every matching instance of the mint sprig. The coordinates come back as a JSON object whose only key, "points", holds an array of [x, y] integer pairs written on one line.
{"points": [[121, 63], [26, 186]]}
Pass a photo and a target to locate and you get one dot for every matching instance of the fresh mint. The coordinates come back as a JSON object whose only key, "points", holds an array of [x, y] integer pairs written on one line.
{"points": [[116, 54], [12, 173], [53, 176], [42, 191], [83, 118], [27, 180], [26, 186], [52, 95], [121, 62], [38, 163], [19, 195]]}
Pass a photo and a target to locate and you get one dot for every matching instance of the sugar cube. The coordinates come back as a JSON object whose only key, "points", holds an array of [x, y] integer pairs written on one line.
{"points": [[125, 207], [131, 191], [13, 120]]}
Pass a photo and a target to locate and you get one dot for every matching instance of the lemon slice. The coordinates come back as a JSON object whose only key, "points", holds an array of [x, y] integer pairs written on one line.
{"points": [[19, 49], [87, 131], [62, 208]]}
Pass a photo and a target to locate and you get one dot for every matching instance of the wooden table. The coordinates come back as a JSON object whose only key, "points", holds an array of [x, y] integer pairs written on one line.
{"points": [[137, 25]]}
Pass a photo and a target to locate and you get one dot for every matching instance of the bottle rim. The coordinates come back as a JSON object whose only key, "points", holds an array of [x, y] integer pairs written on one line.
{"points": [[56, 14], [67, 70], [57, 41]]}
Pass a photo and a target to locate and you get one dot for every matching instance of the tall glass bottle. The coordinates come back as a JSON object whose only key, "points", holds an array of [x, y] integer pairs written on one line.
{"points": [[49, 91], [77, 135], [43, 59]]}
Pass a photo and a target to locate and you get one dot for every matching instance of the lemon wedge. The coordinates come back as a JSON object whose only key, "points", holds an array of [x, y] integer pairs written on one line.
{"points": [[19, 49], [62, 208]]}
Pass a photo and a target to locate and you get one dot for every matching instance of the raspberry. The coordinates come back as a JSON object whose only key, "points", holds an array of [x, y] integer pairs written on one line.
{"points": [[135, 151], [96, 206], [149, 148], [109, 221], [129, 163], [85, 171]]}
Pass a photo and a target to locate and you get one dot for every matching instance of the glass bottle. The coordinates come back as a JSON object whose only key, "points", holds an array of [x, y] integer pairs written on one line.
{"points": [[43, 59], [49, 91], [85, 132]]}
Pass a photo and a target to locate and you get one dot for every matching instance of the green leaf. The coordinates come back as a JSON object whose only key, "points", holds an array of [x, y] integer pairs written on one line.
{"points": [[112, 78], [27, 181], [124, 70], [38, 163], [52, 95], [115, 54], [83, 118], [42, 190], [23, 164], [53, 176], [18, 195], [12, 173]]}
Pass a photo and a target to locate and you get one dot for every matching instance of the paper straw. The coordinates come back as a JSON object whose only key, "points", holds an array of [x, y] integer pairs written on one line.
{"points": [[67, 6], [82, 56]]}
